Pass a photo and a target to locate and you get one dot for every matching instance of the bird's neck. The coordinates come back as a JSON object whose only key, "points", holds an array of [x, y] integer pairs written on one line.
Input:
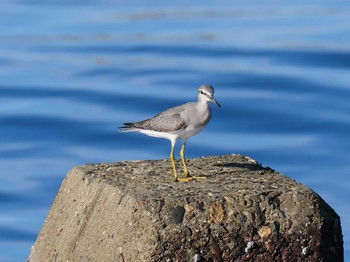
{"points": [[203, 103]]}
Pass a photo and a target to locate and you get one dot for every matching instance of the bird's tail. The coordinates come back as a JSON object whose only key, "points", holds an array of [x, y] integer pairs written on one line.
{"points": [[128, 127]]}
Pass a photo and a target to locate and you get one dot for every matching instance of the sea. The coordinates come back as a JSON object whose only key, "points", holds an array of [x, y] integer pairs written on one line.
{"points": [[72, 71]]}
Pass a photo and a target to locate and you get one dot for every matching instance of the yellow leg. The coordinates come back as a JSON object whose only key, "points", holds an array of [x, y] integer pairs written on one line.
{"points": [[182, 154], [172, 158], [187, 176]]}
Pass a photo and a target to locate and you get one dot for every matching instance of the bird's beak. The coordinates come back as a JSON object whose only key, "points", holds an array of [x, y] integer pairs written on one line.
{"points": [[214, 101]]}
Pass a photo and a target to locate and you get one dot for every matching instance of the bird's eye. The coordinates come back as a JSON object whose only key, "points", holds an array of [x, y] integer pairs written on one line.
{"points": [[202, 92]]}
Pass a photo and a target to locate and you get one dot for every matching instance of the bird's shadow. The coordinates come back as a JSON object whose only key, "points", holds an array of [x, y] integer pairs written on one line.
{"points": [[251, 167]]}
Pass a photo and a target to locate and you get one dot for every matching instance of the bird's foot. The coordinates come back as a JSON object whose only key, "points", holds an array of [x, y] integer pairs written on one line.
{"points": [[189, 178]]}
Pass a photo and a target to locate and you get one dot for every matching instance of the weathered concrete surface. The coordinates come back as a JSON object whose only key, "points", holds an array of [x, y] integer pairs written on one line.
{"points": [[133, 211]]}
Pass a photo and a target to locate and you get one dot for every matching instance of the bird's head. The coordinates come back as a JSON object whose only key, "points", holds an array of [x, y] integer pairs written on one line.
{"points": [[206, 93]]}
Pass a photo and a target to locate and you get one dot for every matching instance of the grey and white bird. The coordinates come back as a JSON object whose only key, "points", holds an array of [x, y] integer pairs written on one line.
{"points": [[180, 122]]}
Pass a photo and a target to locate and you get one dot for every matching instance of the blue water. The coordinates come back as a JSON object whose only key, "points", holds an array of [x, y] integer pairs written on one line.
{"points": [[72, 71]]}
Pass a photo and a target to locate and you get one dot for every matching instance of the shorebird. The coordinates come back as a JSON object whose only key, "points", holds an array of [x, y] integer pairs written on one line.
{"points": [[180, 122]]}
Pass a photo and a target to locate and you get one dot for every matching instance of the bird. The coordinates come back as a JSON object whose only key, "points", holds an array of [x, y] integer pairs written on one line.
{"points": [[180, 122]]}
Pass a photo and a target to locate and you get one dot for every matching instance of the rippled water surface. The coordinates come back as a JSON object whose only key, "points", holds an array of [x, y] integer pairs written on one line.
{"points": [[72, 71]]}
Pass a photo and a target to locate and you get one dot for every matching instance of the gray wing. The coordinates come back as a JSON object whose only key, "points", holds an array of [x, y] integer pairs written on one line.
{"points": [[167, 121]]}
